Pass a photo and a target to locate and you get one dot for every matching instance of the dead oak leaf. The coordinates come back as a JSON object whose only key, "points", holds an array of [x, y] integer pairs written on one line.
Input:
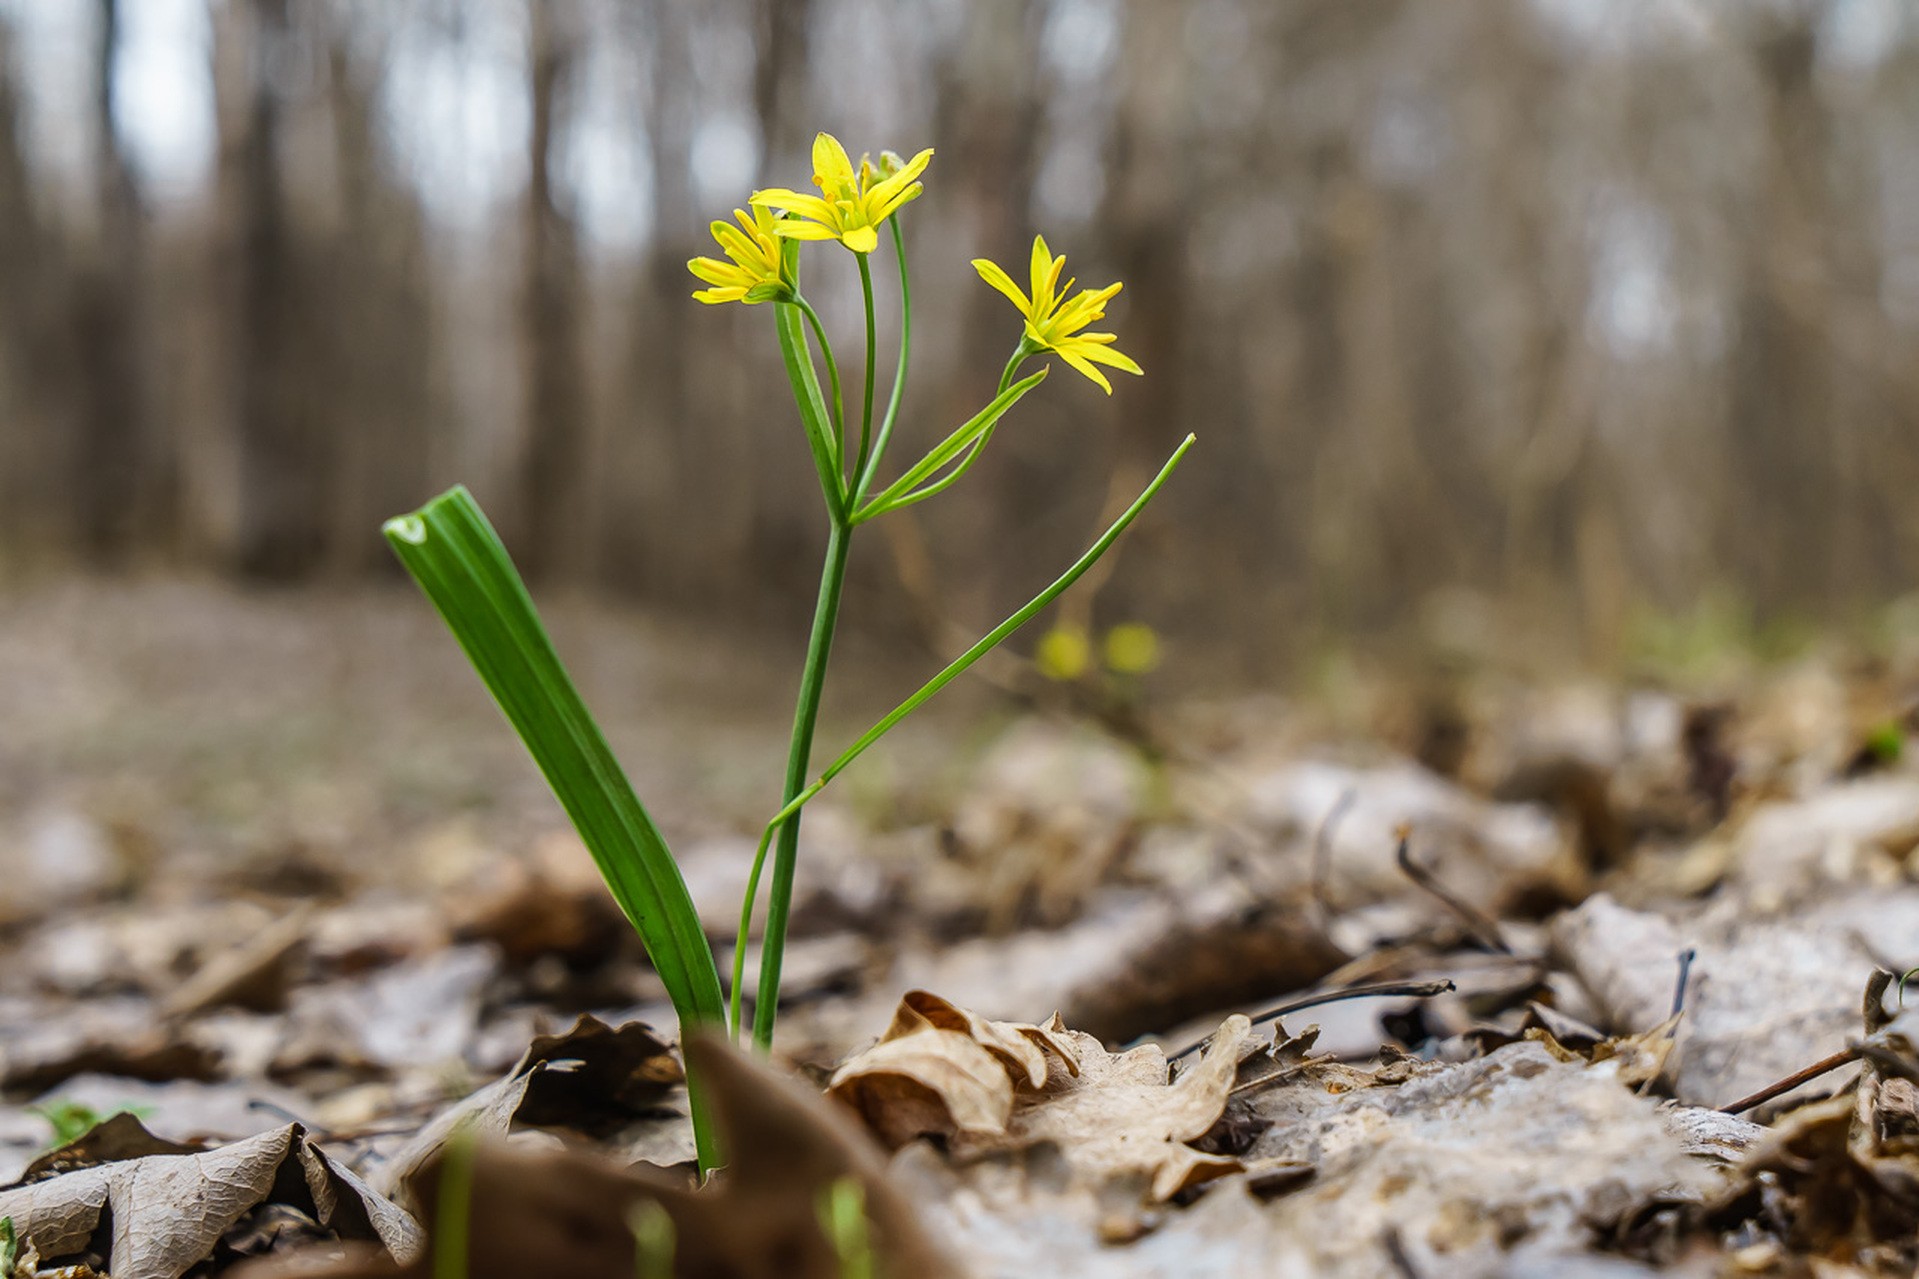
{"points": [[989, 1086], [940, 1070], [1121, 1118], [592, 1080], [161, 1214], [568, 1212], [1023, 1045]]}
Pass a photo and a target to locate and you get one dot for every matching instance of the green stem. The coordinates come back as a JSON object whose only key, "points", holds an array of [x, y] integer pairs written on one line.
{"points": [[1025, 348], [814, 415], [885, 436], [872, 339], [805, 718], [834, 406], [788, 816]]}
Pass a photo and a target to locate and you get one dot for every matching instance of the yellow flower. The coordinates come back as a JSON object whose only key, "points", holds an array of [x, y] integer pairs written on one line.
{"points": [[755, 273], [1132, 648], [851, 205], [1063, 653], [1054, 321]]}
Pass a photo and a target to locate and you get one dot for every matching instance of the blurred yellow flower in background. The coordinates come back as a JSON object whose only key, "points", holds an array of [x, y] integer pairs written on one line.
{"points": [[1054, 321], [755, 273], [851, 205], [1132, 648], [1063, 653]]}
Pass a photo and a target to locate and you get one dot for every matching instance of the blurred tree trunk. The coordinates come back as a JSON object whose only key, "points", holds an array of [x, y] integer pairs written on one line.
{"points": [[552, 497], [24, 264], [112, 452], [987, 113], [379, 343], [779, 76], [1782, 395], [283, 460], [659, 461]]}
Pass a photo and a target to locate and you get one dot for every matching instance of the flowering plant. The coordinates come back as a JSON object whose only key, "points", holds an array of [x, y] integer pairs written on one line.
{"points": [[458, 560]]}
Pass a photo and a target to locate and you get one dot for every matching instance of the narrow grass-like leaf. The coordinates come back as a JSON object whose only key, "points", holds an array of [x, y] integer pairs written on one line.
{"points": [[453, 553], [900, 490]]}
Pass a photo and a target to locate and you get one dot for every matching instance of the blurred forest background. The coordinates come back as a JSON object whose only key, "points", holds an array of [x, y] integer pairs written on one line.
{"points": [[1569, 311]]}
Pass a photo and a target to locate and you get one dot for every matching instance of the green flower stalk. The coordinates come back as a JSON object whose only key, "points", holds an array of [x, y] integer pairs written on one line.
{"points": [[454, 554]]}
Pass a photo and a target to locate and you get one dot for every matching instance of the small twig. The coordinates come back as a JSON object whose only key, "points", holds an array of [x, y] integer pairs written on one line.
{"points": [[1686, 957], [1397, 1254], [1323, 848], [1872, 1005], [1483, 930], [1792, 1081], [1414, 989]]}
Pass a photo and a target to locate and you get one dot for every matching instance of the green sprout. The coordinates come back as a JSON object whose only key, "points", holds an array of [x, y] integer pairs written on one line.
{"points": [[72, 1120], [653, 1240], [460, 563], [842, 1211]]}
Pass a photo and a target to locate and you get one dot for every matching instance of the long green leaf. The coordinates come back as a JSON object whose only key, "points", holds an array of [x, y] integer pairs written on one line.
{"points": [[948, 449], [456, 557]]}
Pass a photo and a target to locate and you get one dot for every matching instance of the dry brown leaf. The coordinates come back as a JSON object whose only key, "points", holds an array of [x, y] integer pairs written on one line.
{"points": [[1019, 1044], [925, 1080], [942, 1070], [161, 1214], [1121, 1118], [567, 1212], [988, 1086], [592, 1079]]}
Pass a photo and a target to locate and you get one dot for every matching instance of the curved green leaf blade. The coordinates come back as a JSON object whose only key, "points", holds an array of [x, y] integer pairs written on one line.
{"points": [[453, 553]]}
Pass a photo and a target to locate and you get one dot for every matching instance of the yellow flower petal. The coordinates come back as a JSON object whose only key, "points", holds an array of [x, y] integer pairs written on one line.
{"points": [[990, 272], [831, 167], [1041, 267], [807, 206], [1080, 363], [861, 239], [714, 271], [885, 191], [1097, 353], [886, 210]]}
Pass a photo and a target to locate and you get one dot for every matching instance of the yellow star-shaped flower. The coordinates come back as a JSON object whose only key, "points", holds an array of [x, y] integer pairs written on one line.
{"points": [[756, 273], [851, 205], [1054, 321]]}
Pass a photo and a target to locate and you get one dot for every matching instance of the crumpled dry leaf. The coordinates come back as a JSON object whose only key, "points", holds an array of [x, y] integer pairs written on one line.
{"points": [[557, 1212], [1813, 1184], [163, 1213], [1120, 1117], [941, 1070], [994, 1086], [593, 1079]]}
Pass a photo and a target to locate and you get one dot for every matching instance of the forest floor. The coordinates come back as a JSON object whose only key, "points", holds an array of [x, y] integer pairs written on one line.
{"points": [[286, 907]]}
